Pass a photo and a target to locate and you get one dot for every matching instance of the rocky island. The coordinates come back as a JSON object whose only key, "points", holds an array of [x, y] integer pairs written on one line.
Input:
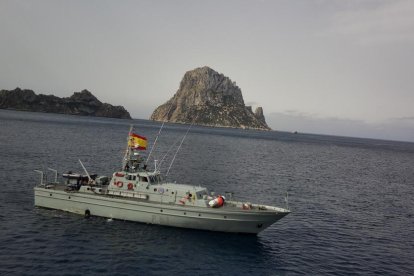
{"points": [[206, 97], [80, 103]]}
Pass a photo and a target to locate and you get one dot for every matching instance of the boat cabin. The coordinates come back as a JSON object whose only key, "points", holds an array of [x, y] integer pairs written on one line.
{"points": [[150, 186]]}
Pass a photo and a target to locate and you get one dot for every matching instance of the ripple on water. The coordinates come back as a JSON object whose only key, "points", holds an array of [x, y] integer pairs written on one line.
{"points": [[351, 202]]}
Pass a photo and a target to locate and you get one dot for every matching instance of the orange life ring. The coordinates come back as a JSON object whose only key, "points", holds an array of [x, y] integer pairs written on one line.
{"points": [[130, 186], [119, 184]]}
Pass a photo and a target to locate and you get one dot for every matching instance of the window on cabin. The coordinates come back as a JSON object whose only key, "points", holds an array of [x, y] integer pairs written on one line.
{"points": [[143, 179], [153, 179]]}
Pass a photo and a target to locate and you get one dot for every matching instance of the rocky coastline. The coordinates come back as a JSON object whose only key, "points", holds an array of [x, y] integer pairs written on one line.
{"points": [[80, 103]]}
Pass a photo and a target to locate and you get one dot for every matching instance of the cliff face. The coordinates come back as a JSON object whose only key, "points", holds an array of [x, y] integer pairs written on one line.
{"points": [[80, 103], [206, 97], [258, 113]]}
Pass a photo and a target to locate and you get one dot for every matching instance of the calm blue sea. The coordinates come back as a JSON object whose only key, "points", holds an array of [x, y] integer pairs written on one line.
{"points": [[351, 201]]}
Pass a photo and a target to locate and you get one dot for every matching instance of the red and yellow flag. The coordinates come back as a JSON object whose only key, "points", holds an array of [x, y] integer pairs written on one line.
{"points": [[137, 142]]}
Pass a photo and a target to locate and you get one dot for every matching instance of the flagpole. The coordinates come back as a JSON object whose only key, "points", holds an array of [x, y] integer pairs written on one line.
{"points": [[124, 161]]}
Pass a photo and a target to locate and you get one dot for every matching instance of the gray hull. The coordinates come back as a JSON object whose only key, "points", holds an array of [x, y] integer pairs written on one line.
{"points": [[220, 219]]}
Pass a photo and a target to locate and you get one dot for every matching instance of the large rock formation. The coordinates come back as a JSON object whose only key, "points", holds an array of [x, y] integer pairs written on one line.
{"points": [[206, 97], [80, 103], [258, 113]]}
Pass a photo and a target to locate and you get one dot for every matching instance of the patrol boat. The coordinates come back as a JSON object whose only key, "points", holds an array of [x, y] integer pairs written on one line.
{"points": [[135, 193]]}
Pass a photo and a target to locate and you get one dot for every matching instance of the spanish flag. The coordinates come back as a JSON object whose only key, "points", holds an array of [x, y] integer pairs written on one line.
{"points": [[137, 142]]}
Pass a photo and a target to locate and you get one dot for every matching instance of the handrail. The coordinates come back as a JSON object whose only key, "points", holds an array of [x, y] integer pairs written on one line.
{"points": [[41, 176]]}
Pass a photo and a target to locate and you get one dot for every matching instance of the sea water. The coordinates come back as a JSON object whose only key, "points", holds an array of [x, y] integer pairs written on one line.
{"points": [[351, 201]]}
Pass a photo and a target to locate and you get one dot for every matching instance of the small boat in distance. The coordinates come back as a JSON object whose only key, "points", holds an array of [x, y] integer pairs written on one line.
{"points": [[136, 194]]}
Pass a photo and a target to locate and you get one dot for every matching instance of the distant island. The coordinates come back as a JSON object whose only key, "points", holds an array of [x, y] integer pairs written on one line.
{"points": [[206, 97], [80, 103]]}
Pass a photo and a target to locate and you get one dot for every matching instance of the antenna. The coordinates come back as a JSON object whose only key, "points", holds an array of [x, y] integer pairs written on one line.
{"points": [[287, 200], [159, 132], [155, 142], [182, 140], [165, 155], [156, 138], [89, 177]]}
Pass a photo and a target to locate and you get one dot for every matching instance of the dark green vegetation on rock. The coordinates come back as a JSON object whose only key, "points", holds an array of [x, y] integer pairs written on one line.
{"points": [[206, 97], [80, 103]]}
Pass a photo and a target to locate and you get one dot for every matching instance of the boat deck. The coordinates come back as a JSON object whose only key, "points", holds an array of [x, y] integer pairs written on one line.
{"points": [[103, 191]]}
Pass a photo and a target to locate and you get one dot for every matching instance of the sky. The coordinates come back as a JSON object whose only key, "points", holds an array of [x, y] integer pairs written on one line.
{"points": [[315, 66]]}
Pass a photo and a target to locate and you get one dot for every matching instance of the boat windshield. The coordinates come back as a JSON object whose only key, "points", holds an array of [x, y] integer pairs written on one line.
{"points": [[153, 179]]}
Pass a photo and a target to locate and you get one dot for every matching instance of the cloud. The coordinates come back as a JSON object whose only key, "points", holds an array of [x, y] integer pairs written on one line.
{"points": [[377, 22]]}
